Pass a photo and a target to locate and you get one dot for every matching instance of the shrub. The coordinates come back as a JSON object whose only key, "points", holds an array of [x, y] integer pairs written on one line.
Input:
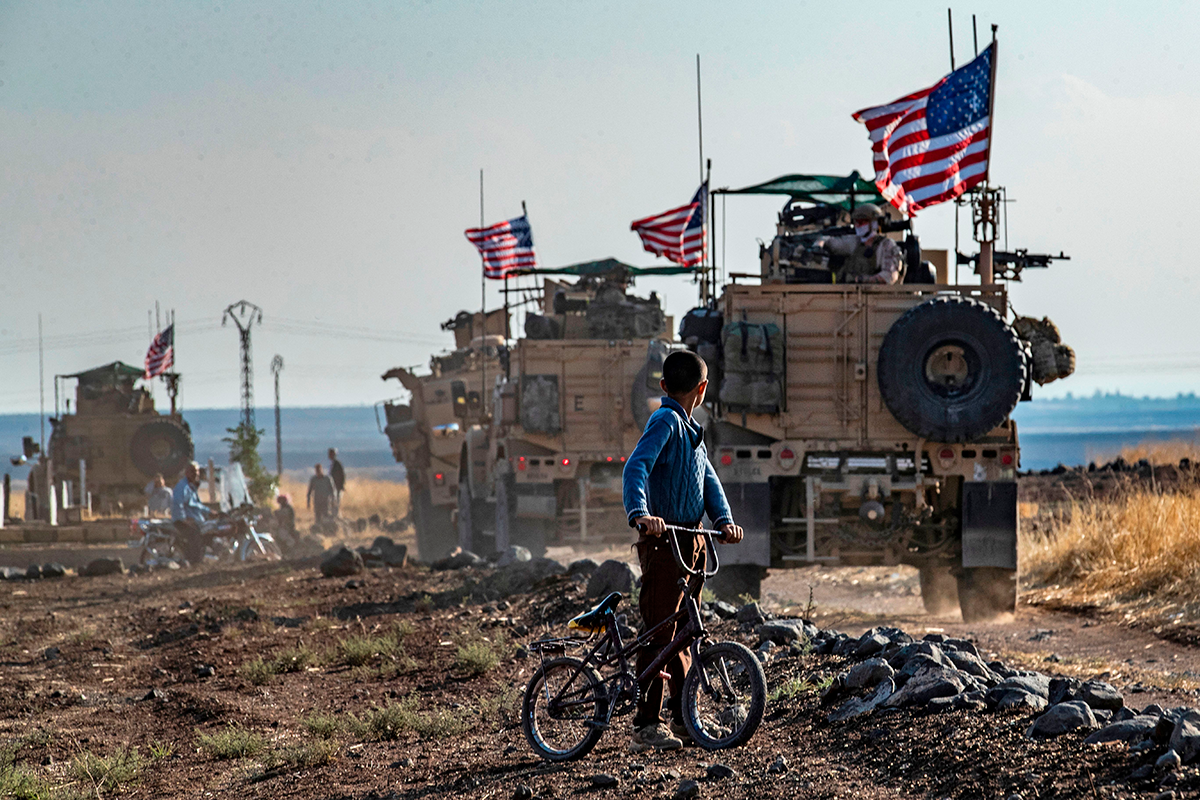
{"points": [[107, 773], [257, 671], [232, 742], [322, 726], [358, 650], [478, 656]]}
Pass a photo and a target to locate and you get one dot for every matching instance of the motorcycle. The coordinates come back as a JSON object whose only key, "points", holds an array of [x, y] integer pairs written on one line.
{"points": [[231, 536]]}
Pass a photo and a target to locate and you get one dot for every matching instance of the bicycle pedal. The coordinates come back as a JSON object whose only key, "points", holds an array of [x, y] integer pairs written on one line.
{"points": [[666, 676]]}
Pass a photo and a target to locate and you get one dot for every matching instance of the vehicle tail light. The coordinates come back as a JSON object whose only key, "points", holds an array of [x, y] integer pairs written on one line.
{"points": [[1006, 459], [787, 457], [622, 459], [521, 463], [946, 454], [610, 458], [439, 479], [566, 462], [726, 458]]}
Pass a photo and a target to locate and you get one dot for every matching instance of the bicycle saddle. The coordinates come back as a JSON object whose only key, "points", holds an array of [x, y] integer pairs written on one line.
{"points": [[593, 621]]}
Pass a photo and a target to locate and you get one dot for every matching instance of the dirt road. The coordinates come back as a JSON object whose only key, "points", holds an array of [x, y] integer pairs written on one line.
{"points": [[271, 681]]}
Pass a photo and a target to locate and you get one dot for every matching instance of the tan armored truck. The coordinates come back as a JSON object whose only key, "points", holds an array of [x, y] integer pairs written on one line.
{"points": [[579, 388], [869, 424], [113, 444], [427, 430]]}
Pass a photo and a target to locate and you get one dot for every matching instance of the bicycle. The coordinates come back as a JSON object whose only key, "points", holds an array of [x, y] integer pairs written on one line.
{"points": [[569, 704]]}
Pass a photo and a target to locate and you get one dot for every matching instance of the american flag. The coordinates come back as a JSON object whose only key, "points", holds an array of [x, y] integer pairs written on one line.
{"points": [[161, 355], [678, 234], [933, 145], [506, 247]]}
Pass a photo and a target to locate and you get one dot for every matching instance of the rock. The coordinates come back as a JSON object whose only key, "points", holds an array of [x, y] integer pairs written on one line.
{"points": [[11, 573], [341, 563], [1185, 738], [51, 654], [961, 646], [868, 673], [155, 694], [1168, 762], [603, 780], [926, 683], [686, 790], [719, 772], [1017, 700], [751, 614], [521, 576], [392, 554], [724, 610], [522, 792], [513, 554], [612, 576], [1122, 714], [1165, 796], [103, 566], [1153, 709], [786, 631], [1063, 689], [857, 706], [460, 559], [1061, 718], [1142, 773], [908, 652], [355, 583], [1099, 694], [923, 662], [779, 766], [204, 670], [969, 701], [1102, 716], [1036, 684], [871, 645], [583, 566], [1129, 731], [33, 572], [970, 664]]}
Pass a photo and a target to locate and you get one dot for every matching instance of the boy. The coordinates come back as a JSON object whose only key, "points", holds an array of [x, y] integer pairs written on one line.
{"points": [[669, 481]]}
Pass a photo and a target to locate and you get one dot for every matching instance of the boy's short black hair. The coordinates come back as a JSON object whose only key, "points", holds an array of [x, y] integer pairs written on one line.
{"points": [[683, 371]]}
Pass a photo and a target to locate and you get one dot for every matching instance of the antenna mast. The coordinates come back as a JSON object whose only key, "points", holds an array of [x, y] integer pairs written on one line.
{"points": [[244, 314]]}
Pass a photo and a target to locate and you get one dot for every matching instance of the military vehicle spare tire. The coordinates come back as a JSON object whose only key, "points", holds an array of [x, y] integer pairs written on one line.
{"points": [[161, 447], [951, 369]]}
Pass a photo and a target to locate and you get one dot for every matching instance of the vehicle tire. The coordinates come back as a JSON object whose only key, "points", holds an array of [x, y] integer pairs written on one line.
{"points": [[532, 534], [161, 447], [729, 713], [472, 515], [939, 589], [436, 535], [734, 581], [985, 593], [564, 734], [951, 369]]}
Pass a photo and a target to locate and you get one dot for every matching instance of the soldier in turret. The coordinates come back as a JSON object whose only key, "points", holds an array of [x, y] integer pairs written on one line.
{"points": [[870, 256]]}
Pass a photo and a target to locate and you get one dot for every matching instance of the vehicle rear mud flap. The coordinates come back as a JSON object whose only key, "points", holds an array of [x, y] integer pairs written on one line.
{"points": [[989, 524], [751, 504]]}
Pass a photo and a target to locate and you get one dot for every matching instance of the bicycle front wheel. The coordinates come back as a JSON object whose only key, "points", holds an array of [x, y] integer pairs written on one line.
{"points": [[724, 696], [565, 709]]}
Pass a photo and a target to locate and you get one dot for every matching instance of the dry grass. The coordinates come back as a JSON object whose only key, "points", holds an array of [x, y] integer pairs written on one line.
{"points": [[1168, 451], [1142, 545], [362, 498]]}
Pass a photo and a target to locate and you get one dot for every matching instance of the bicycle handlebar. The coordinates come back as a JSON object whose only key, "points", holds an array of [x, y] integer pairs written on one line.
{"points": [[708, 535]]}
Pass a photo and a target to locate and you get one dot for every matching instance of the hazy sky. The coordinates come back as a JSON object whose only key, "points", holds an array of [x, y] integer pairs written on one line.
{"points": [[322, 161]]}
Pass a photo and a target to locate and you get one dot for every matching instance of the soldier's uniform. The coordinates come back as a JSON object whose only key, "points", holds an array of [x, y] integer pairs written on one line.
{"points": [[878, 258]]}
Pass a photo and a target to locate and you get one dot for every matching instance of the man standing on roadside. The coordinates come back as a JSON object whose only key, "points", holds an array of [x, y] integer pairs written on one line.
{"points": [[339, 479], [321, 494]]}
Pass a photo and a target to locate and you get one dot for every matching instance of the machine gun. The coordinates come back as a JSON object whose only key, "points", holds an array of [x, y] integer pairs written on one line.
{"points": [[1008, 265]]}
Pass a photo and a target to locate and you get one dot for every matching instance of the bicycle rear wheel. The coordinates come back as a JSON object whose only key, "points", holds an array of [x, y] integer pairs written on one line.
{"points": [[565, 709], [728, 712]]}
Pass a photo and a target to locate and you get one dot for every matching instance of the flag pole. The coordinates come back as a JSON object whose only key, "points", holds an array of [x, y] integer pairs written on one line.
{"points": [[987, 245], [700, 138], [482, 310], [950, 26]]}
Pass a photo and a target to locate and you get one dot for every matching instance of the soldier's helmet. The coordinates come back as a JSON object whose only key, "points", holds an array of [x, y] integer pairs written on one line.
{"points": [[866, 212]]}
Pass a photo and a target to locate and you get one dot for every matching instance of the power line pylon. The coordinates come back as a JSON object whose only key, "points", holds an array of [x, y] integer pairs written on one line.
{"points": [[244, 314], [276, 368]]}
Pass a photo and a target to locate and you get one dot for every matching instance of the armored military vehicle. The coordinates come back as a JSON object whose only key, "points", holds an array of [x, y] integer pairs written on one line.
{"points": [[579, 388], [427, 430], [862, 424], [117, 436]]}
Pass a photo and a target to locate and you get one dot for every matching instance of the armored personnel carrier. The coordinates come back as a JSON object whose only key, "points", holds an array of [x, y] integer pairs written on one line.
{"points": [[866, 424], [579, 388], [117, 436], [427, 431]]}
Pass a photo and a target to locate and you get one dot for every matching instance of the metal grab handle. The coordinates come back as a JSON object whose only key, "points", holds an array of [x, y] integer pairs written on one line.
{"points": [[675, 551]]}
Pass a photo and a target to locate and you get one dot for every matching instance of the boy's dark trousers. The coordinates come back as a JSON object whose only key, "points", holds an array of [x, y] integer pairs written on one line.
{"points": [[660, 598]]}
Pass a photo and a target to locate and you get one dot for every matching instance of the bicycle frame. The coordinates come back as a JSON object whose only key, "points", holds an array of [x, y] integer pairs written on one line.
{"points": [[690, 636]]}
